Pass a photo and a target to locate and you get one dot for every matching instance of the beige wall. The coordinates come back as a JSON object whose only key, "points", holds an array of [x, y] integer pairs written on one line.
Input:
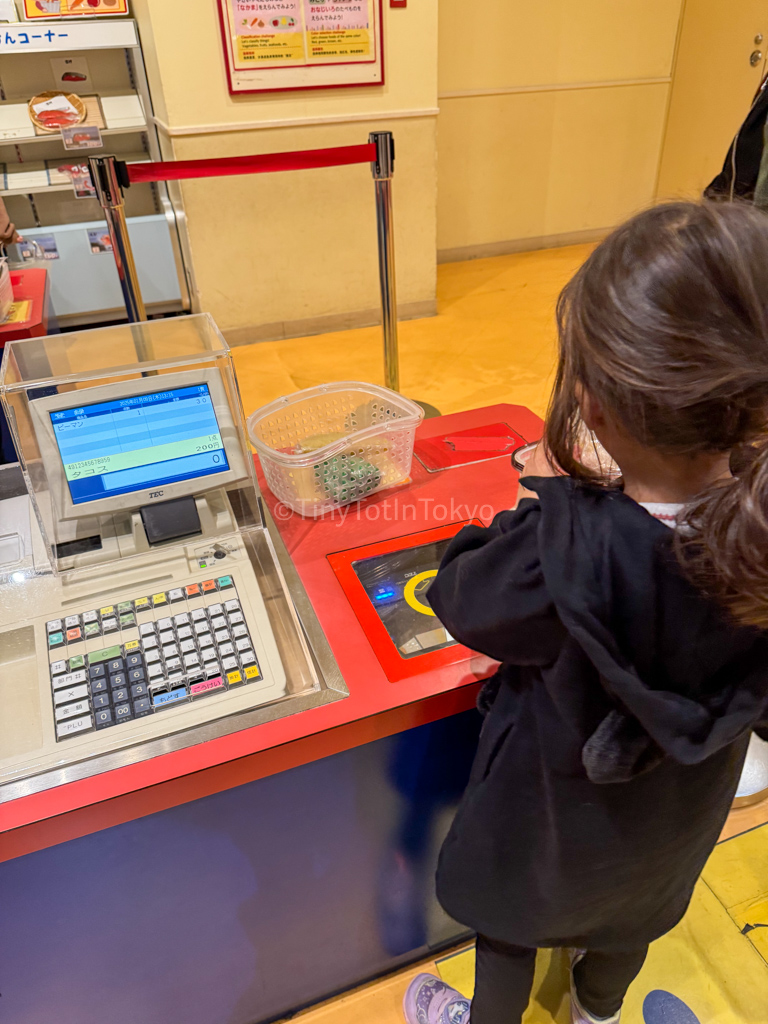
{"points": [[551, 118], [271, 250], [551, 124], [713, 86]]}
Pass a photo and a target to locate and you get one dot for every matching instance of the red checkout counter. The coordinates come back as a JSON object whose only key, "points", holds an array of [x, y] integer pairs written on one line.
{"points": [[32, 289], [243, 878]]}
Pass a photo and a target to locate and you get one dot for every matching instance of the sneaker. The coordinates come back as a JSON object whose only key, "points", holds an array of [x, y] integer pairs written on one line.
{"points": [[578, 1014], [429, 1000]]}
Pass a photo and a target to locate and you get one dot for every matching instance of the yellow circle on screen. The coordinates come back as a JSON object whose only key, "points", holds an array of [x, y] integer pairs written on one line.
{"points": [[416, 585]]}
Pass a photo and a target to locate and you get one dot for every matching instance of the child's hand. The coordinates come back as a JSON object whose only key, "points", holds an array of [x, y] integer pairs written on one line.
{"points": [[537, 464]]}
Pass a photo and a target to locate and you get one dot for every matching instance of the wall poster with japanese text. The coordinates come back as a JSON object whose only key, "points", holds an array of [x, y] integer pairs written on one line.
{"points": [[272, 45]]}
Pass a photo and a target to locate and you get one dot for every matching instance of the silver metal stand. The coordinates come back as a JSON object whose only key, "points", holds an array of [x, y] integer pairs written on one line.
{"points": [[382, 171], [109, 178], [110, 195]]}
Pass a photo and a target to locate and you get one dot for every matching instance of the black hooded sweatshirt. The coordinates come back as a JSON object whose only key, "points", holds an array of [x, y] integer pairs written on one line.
{"points": [[615, 731]]}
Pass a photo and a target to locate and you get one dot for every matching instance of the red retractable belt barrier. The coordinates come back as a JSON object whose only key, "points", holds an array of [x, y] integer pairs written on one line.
{"points": [[110, 176], [175, 170]]}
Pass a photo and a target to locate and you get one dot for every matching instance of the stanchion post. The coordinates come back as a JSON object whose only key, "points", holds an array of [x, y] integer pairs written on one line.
{"points": [[382, 170], [104, 173]]}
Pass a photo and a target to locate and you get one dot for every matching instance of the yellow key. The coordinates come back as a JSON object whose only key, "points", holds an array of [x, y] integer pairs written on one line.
{"points": [[233, 678], [252, 672], [159, 599], [132, 645], [141, 603], [109, 610]]}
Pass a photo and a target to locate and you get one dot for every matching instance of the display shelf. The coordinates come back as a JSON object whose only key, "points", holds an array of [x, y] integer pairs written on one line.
{"points": [[34, 190], [56, 137], [119, 114], [84, 283], [41, 177], [110, 78]]}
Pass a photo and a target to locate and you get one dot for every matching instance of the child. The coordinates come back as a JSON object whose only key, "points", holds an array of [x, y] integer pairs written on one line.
{"points": [[634, 656]]}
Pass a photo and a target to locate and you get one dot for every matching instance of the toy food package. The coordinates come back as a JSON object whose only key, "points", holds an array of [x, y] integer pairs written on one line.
{"points": [[72, 8]]}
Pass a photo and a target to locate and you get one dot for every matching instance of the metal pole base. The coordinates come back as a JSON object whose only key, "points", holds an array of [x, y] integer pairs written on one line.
{"points": [[430, 411]]}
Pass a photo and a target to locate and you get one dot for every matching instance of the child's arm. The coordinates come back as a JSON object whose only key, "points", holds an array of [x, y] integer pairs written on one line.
{"points": [[490, 592]]}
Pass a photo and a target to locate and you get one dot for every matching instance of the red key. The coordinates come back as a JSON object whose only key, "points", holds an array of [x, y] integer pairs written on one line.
{"points": [[208, 585], [192, 590], [74, 634]]}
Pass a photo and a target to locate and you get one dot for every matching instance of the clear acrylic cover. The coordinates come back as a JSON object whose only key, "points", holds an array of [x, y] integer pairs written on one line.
{"points": [[41, 375], [145, 602]]}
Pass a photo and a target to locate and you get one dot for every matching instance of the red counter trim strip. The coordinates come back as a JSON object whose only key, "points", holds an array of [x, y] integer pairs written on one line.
{"points": [[39, 835], [175, 170]]}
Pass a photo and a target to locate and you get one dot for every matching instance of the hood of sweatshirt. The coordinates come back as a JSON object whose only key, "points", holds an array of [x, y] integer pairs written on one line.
{"points": [[684, 680]]}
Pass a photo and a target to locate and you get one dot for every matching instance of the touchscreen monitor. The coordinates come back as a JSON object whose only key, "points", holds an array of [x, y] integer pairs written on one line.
{"points": [[397, 585], [138, 442]]}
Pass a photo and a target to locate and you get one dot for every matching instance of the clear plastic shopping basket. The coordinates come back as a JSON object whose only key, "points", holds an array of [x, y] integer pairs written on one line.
{"points": [[334, 444]]}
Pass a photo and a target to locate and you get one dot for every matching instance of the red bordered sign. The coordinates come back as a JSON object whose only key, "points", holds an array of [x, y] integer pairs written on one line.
{"points": [[275, 45], [397, 666]]}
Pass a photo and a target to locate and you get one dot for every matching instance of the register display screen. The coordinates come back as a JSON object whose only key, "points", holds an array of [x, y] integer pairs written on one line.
{"points": [[131, 444], [396, 585]]}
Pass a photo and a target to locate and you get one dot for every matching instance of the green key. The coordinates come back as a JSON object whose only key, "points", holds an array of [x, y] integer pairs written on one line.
{"points": [[77, 662], [124, 606], [107, 654], [92, 629], [129, 619]]}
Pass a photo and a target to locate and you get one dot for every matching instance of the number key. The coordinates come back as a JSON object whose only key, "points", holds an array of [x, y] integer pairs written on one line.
{"points": [[123, 712]]}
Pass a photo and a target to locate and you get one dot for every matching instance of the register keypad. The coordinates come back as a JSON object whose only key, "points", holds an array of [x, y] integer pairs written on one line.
{"points": [[181, 654]]}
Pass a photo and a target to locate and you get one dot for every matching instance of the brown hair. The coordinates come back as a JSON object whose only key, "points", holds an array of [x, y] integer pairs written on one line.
{"points": [[666, 326]]}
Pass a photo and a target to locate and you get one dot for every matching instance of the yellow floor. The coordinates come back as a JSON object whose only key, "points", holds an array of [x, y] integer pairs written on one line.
{"points": [[705, 964], [711, 969], [494, 340]]}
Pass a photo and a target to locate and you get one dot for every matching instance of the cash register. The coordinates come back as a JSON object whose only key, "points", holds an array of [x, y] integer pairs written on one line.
{"points": [[144, 604]]}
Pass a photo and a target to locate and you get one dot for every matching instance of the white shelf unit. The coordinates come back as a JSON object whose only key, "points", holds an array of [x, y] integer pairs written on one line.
{"points": [[36, 178], [40, 200]]}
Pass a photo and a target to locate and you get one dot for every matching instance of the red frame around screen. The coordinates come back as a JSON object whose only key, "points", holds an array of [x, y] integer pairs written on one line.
{"points": [[229, 61], [395, 667]]}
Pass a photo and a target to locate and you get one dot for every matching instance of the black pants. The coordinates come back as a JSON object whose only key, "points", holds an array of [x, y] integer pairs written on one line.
{"points": [[504, 976]]}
